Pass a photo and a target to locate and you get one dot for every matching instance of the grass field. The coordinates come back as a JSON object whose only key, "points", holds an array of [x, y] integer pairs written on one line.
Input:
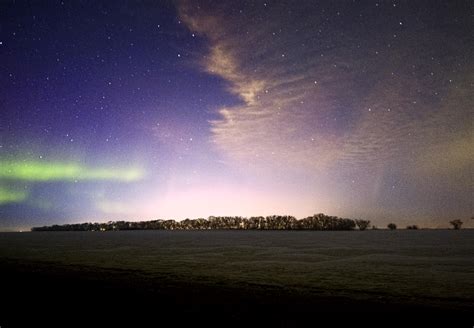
{"points": [[428, 268]]}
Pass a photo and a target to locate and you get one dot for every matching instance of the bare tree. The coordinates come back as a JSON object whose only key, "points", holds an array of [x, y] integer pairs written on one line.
{"points": [[456, 224], [362, 224]]}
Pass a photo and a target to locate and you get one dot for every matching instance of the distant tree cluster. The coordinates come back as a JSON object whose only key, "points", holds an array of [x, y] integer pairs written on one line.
{"points": [[274, 222], [392, 226]]}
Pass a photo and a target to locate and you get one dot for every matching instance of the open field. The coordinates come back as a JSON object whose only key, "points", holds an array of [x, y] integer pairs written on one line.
{"points": [[429, 272]]}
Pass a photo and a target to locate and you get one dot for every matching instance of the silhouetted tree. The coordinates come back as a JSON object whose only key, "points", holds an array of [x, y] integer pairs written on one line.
{"points": [[392, 226], [412, 227], [456, 224], [362, 224]]}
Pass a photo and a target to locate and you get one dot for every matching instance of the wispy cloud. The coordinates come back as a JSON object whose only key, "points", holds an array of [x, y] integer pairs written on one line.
{"points": [[316, 97], [309, 104]]}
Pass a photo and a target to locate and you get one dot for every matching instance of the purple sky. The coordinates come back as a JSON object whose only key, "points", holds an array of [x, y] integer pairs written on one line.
{"points": [[134, 111]]}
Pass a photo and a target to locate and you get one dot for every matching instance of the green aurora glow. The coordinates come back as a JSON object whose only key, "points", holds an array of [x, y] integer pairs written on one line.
{"points": [[12, 196], [57, 171]]}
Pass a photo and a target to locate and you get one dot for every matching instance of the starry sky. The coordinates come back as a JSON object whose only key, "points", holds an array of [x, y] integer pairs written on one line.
{"points": [[136, 110]]}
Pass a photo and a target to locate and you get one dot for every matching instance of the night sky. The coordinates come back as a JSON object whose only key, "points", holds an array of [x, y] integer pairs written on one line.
{"points": [[134, 110]]}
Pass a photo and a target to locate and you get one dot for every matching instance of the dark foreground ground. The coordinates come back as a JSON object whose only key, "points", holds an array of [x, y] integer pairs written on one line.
{"points": [[41, 294], [237, 278]]}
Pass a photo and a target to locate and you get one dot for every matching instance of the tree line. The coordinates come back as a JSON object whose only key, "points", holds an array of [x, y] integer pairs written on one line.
{"points": [[274, 222]]}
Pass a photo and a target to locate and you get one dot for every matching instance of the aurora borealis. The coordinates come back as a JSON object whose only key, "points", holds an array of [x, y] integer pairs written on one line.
{"points": [[175, 109], [39, 171]]}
